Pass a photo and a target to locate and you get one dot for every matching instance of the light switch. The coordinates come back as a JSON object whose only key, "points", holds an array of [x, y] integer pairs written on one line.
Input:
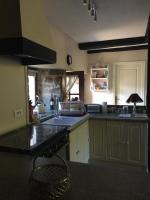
{"points": [[18, 113]]}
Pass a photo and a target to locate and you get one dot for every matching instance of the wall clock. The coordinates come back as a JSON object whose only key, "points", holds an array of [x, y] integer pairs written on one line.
{"points": [[69, 59]]}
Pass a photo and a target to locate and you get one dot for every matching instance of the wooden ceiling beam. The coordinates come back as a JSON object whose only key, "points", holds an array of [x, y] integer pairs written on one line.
{"points": [[128, 48], [120, 43], [147, 34]]}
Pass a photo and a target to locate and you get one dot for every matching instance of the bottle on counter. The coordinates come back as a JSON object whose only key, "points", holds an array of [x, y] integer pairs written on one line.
{"points": [[52, 102], [104, 107], [56, 105], [33, 113], [41, 108], [31, 118]]}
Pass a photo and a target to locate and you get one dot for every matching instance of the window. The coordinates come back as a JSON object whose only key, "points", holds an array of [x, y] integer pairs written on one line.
{"points": [[32, 86], [75, 85]]}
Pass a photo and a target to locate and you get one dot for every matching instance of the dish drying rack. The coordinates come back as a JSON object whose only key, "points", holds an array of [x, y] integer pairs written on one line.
{"points": [[72, 108]]}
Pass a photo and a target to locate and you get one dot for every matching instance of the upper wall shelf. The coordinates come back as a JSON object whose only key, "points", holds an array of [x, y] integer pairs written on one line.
{"points": [[100, 78]]}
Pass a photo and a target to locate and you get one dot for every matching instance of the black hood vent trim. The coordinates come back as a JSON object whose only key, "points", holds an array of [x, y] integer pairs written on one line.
{"points": [[29, 52]]}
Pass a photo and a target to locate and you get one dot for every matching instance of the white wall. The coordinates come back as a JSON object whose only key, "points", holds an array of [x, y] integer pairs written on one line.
{"points": [[79, 57], [35, 26], [109, 58], [12, 94]]}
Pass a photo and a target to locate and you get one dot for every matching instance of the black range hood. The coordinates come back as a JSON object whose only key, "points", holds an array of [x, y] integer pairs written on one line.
{"points": [[29, 52], [12, 40]]}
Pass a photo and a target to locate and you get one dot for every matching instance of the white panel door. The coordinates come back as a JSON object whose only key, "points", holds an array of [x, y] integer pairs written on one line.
{"points": [[130, 78]]}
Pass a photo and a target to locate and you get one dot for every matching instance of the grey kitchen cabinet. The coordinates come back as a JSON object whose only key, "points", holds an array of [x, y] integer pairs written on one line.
{"points": [[98, 139], [79, 143], [136, 142], [118, 141]]}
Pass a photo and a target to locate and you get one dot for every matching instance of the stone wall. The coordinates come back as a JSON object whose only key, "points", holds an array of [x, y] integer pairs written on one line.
{"points": [[49, 82]]}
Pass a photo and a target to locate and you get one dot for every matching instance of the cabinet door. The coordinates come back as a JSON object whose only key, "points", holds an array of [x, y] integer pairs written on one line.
{"points": [[136, 142], [98, 136], [79, 143], [116, 141], [73, 149], [83, 142]]}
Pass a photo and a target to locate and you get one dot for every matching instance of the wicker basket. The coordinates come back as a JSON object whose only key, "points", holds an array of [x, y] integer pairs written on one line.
{"points": [[50, 181]]}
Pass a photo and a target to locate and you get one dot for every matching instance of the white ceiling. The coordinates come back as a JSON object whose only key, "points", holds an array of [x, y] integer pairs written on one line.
{"points": [[116, 19]]}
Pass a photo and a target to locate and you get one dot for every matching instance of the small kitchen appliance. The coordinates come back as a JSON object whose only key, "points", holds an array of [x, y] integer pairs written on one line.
{"points": [[93, 108], [72, 108]]}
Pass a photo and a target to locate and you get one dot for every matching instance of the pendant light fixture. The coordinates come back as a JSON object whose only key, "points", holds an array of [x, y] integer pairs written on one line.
{"points": [[95, 16], [84, 2], [91, 8]]}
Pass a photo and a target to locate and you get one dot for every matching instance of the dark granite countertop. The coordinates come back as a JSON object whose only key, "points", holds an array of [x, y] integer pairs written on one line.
{"points": [[117, 116], [31, 138]]}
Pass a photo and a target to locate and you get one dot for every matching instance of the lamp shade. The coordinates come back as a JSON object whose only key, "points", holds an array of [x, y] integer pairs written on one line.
{"points": [[134, 98]]}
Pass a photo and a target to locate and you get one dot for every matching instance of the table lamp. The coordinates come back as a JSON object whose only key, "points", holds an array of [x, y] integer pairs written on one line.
{"points": [[134, 98]]}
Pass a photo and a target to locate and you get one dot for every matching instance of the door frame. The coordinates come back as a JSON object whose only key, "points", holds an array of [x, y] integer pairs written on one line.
{"points": [[115, 77]]}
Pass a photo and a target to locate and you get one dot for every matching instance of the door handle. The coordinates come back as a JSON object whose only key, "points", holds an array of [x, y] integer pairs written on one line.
{"points": [[116, 99], [77, 152]]}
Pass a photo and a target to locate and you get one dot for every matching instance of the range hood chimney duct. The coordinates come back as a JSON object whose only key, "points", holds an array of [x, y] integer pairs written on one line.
{"points": [[12, 43]]}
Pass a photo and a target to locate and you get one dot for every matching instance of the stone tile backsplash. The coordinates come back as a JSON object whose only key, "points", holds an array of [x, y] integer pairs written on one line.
{"points": [[49, 82]]}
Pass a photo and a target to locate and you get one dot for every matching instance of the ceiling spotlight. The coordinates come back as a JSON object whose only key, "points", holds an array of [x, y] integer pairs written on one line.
{"points": [[93, 10], [89, 5], [95, 16], [84, 2]]}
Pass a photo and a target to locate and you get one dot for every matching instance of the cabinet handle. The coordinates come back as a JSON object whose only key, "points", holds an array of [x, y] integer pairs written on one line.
{"points": [[123, 142], [77, 152]]}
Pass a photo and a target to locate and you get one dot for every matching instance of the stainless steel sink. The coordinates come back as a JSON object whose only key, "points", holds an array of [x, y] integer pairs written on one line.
{"points": [[63, 120], [124, 115]]}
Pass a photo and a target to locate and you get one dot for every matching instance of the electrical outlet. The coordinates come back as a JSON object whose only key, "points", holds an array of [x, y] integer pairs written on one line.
{"points": [[18, 113]]}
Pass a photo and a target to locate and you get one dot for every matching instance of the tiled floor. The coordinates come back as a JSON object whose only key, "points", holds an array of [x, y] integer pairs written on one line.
{"points": [[119, 166], [102, 181]]}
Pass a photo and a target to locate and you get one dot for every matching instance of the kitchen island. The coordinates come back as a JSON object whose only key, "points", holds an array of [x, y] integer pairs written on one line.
{"points": [[89, 181], [33, 139], [102, 136]]}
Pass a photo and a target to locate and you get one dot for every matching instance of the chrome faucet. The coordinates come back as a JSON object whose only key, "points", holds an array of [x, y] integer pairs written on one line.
{"points": [[56, 106]]}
